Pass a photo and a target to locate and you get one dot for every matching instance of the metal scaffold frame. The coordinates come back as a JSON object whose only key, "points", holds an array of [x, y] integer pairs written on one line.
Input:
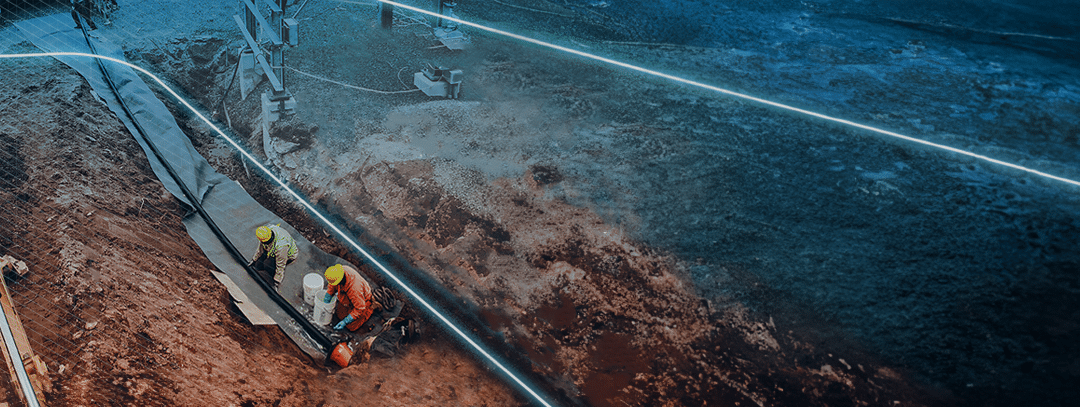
{"points": [[253, 25]]}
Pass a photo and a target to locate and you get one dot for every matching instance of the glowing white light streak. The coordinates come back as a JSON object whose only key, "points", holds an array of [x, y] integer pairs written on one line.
{"points": [[673, 78], [415, 295], [733, 93]]}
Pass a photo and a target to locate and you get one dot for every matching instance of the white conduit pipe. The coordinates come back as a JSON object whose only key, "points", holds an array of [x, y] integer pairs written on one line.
{"points": [[344, 236], [735, 94], [416, 295], [16, 359]]}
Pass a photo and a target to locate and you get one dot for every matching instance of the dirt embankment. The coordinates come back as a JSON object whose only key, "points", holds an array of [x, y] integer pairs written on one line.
{"points": [[485, 197], [120, 303], [600, 317]]}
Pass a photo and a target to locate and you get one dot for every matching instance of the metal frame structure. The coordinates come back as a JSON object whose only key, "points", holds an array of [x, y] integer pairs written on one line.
{"points": [[252, 24]]}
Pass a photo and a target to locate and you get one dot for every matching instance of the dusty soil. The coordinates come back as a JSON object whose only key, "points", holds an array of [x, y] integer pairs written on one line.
{"points": [[120, 301], [630, 242]]}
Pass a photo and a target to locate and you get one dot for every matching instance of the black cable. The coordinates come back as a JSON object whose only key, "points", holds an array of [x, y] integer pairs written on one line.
{"points": [[321, 340], [236, 70]]}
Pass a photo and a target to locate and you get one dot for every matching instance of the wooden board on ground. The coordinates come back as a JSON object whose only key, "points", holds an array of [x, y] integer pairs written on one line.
{"points": [[36, 370], [253, 313]]}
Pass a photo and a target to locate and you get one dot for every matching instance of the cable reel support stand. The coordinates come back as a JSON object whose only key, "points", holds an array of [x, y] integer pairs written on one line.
{"points": [[279, 32]]}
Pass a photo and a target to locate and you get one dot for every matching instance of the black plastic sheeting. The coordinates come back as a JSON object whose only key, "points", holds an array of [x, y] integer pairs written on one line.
{"points": [[235, 212]]}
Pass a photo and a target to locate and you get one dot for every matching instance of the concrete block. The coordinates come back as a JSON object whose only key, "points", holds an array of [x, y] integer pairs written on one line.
{"points": [[430, 87]]}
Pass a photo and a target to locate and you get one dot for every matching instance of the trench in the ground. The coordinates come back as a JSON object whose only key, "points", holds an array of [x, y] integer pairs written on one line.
{"points": [[455, 220], [1031, 233], [757, 179], [92, 317]]}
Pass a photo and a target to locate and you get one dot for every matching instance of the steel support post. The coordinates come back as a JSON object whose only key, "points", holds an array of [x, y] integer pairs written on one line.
{"points": [[277, 55], [278, 101], [249, 22]]}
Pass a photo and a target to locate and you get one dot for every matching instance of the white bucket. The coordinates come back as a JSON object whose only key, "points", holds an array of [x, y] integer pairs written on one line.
{"points": [[324, 312], [312, 286]]}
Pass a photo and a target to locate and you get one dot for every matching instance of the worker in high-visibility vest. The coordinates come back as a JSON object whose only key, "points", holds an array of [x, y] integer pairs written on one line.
{"points": [[277, 249], [355, 300]]}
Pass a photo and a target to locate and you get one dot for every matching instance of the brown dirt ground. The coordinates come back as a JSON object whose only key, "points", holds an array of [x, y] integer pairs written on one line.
{"points": [[120, 301], [125, 310], [604, 320]]}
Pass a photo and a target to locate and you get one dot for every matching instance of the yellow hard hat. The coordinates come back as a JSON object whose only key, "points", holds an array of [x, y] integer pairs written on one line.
{"points": [[263, 233], [334, 274]]}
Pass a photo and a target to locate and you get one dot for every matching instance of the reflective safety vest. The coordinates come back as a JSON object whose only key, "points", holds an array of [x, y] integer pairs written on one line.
{"points": [[282, 242]]}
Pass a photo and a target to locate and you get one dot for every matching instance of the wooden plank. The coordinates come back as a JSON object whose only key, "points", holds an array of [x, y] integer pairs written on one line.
{"points": [[5, 267], [253, 313], [35, 369], [11, 371], [17, 330]]}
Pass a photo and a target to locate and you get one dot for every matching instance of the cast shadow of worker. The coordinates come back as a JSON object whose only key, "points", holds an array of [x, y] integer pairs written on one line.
{"points": [[81, 10], [266, 267]]}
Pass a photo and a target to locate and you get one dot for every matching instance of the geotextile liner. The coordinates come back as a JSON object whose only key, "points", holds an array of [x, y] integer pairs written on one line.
{"points": [[235, 212]]}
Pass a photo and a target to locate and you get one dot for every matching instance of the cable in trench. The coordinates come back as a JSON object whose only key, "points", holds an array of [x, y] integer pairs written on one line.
{"points": [[321, 340], [425, 304]]}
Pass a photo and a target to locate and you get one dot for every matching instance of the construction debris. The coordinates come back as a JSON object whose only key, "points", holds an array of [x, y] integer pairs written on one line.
{"points": [[8, 265]]}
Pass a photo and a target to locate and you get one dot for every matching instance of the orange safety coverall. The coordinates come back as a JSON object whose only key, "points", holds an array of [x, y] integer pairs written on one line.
{"points": [[355, 298]]}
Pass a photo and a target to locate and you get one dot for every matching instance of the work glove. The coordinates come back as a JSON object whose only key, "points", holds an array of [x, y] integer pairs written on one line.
{"points": [[327, 297], [344, 321]]}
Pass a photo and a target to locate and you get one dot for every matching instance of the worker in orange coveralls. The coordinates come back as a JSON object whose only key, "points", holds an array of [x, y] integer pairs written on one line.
{"points": [[355, 303]]}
